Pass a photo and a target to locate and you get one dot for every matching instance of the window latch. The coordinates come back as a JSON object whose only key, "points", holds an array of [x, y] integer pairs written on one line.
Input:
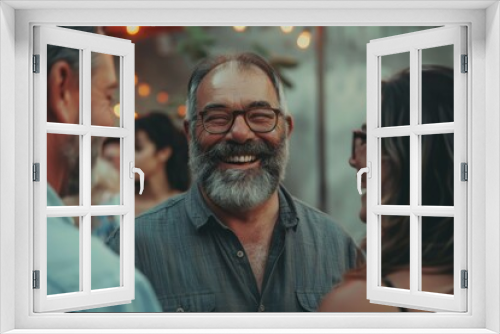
{"points": [[368, 171], [133, 170], [464, 168], [465, 279]]}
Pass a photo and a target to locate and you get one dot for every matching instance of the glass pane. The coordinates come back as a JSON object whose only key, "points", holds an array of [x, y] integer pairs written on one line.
{"points": [[437, 254], [437, 170], [105, 92], [395, 89], [105, 264], [395, 255], [395, 171], [63, 169], [104, 226], [63, 255], [63, 85], [105, 188], [437, 85]]}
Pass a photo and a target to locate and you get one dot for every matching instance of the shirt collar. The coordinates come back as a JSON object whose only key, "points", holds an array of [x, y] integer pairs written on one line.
{"points": [[200, 214]]}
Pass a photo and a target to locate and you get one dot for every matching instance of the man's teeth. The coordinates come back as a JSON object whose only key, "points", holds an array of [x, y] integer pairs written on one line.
{"points": [[241, 158]]}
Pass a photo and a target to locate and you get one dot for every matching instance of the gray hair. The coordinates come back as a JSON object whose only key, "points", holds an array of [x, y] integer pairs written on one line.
{"points": [[244, 60]]}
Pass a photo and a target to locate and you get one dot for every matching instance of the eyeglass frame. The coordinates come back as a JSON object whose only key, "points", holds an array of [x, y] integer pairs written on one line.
{"points": [[235, 113], [357, 134]]}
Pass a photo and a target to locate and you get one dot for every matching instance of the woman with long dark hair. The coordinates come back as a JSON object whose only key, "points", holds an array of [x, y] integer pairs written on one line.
{"points": [[161, 152], [437, 190]]}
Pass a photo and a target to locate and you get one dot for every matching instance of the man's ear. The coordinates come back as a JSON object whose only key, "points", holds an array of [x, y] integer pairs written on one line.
{"points": [[289, 123], [62, 94], [186, 130]]}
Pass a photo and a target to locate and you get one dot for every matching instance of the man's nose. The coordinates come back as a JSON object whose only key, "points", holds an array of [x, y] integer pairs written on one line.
{"points": [[240, 132]]}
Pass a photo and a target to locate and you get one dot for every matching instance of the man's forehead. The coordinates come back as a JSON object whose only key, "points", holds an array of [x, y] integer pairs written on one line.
{"points": [[230, 77]]}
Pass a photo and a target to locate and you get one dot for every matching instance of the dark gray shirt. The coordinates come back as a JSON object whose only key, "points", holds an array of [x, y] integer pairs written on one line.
{"points": [[196, 264]]}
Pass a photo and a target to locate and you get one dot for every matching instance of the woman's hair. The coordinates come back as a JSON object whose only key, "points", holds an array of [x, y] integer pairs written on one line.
{"points": [[162, 132], [436, 168]]}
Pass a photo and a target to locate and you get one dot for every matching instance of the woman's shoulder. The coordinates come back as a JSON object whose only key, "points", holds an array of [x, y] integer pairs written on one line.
{"points": [[350, 296]]}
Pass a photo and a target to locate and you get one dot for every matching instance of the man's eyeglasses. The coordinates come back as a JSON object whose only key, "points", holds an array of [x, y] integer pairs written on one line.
{"points": [[258, 119], [358, 139]]}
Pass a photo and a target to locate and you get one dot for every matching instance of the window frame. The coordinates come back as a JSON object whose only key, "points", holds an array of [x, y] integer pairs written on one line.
{"points": [[483, 102]]}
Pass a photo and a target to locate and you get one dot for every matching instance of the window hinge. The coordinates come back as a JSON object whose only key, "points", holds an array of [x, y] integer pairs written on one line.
{"points": [[36, 279], [465, 279], [465, 64], [36, 172], [464, 171], [36, 63]]}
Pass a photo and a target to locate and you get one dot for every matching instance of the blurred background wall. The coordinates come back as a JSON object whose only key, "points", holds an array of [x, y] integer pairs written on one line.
{"points": [[165, 57]]}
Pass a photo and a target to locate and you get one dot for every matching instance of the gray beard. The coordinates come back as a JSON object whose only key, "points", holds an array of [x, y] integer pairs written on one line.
{"points": [[236, 189]]}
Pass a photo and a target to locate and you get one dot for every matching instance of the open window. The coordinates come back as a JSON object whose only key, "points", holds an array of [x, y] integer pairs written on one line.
{"points": [[419, 212], [78, 129]]}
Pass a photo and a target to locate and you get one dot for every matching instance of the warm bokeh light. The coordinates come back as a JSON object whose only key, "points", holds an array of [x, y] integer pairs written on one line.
{"points": [[116, 110], [133, 30], [136, 79], [286, 29], [162, 97], [304, 39], [143, 89], [181, 111], [239, 28], [136, 115]]}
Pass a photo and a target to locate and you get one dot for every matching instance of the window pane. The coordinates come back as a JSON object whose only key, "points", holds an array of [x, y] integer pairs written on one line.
{"points": [[437, 170], [104, 264], [395, 251], [63, 78], [63, 255], [105, 91], [437, 85], [105, 188], [395, 171], [437, 254], [395, 93], [63, 168]]}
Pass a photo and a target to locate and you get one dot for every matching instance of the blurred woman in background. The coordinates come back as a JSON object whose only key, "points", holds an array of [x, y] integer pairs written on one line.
{"points": [[161, 152], [437, 189]]}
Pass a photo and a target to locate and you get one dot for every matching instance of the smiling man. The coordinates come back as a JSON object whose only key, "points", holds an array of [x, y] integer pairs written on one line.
{"points": [[237, 241]]}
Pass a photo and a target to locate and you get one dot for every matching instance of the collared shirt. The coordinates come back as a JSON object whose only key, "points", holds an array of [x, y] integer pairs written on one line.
{"points": [[197, 264], [63, 266]]}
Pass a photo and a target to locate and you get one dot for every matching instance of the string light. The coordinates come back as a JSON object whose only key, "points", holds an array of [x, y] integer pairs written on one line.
{"points": [[136, 79], [181, 110], [304, 39], [144, 90], [116, 110], [286, 29], [136, 115], [239, 28], [133, 30], [162, 97]]}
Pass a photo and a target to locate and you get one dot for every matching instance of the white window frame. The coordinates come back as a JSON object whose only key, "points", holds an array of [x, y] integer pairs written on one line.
{"points": [[86, 43], [483, 21], [413, 44]]}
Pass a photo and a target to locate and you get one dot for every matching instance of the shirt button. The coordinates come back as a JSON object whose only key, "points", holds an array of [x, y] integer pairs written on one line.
{"points": [[262, 308], [179, 309], [240, 254]]}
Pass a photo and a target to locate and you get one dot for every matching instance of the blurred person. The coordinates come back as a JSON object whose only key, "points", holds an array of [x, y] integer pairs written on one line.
{"points": [[111, 151], [161, 152], [62, 158], [237, 241], [437, 189]]}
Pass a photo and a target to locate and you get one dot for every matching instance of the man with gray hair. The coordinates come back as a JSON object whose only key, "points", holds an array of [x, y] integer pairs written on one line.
{"points": [[237, 241]]}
